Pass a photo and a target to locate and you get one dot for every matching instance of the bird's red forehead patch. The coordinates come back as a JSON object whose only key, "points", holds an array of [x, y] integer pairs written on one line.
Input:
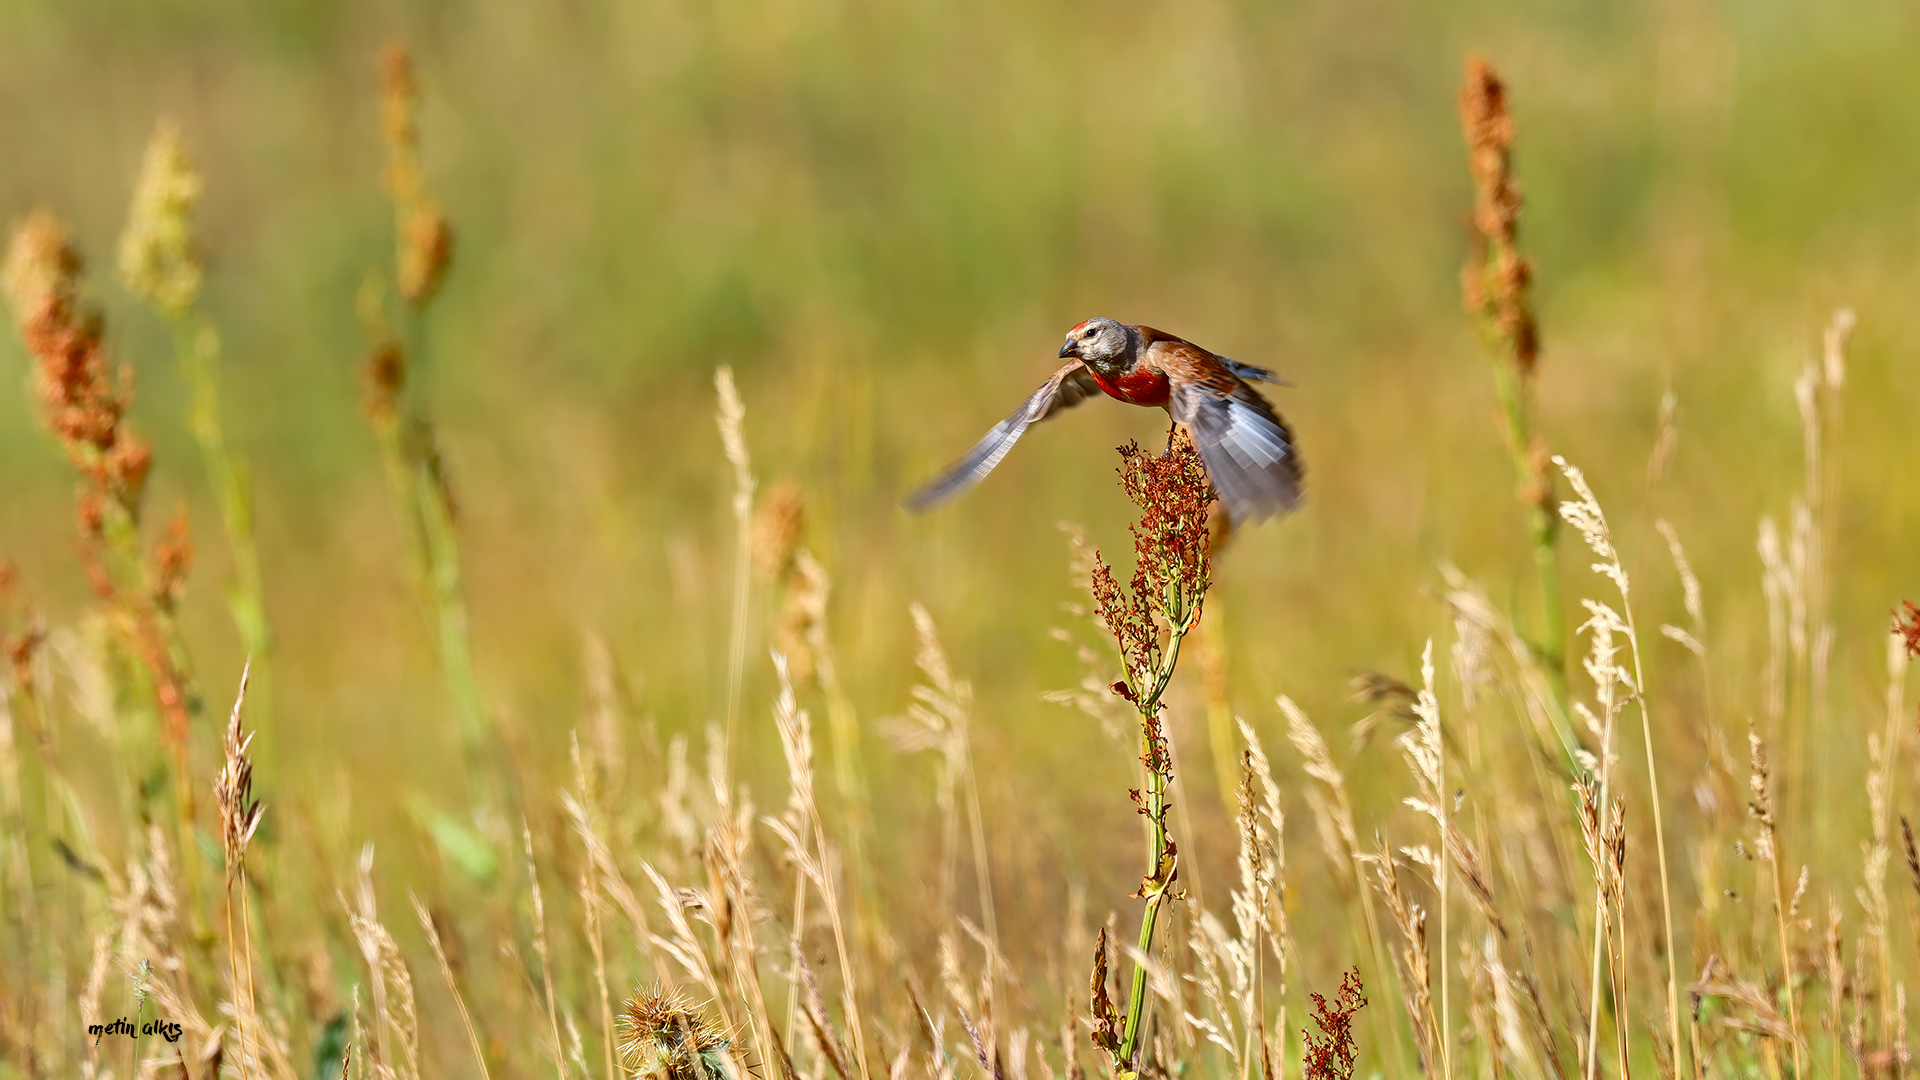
{"points": [[1078, 327]]}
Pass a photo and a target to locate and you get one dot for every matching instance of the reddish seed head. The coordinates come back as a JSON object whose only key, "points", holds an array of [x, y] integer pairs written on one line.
{"points": [[1906, 623]]}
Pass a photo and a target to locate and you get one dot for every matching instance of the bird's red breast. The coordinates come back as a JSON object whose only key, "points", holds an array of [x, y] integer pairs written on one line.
{"points": [[1141, 386]]}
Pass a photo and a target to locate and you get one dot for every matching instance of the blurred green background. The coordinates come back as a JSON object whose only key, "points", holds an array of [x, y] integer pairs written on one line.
{"points": [[884, 216]]}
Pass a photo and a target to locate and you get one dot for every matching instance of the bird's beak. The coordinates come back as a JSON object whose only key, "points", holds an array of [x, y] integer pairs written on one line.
{"points": [[1069, 349]]}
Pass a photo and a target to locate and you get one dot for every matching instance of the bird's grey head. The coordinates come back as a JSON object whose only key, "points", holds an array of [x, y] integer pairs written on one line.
{"points": [[1101, 343]]}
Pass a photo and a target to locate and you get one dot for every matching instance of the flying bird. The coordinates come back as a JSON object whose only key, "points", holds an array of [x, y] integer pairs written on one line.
{"points": [[1246, 448]]}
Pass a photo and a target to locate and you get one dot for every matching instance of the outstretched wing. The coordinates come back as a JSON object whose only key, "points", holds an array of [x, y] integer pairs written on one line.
{"points": [[1246, 447], [1254, 374], [1068, 386]]}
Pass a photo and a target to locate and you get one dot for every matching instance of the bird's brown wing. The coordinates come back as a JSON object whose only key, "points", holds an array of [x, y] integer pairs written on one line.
{"points": [[1246, 447], [1068, 387]]}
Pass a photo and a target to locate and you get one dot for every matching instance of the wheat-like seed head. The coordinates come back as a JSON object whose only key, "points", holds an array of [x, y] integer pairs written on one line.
{"points": [[233, 788], [1587, 518], [157, 260]]}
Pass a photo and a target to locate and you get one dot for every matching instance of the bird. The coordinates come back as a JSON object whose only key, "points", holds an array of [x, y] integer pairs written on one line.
{"points": [[1245, 446]]}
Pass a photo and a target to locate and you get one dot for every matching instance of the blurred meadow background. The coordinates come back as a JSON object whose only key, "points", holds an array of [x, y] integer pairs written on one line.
{"points": [[881, 218]]}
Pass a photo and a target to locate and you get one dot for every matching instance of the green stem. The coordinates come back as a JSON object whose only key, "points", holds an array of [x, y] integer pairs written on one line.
{"points": [[1543, 526], [1156, 884], [196, 347]]}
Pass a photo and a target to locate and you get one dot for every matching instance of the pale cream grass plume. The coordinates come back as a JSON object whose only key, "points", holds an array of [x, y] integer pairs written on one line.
{"points": [[731, 419], [1507, 1011], [1597, 802], [735, 908], [1776, 584], [1763, 1016], [396, 1046], [939, 720], [1426, 756], [675, 817], [540, 946], [240, 814], [802, 828], [1480, 1008], [1423, 750], [821, 1037], [1470, 606], [1269, 834], [1017, 1042], [720, 772], [1666, 439], [1094, 695], [446, 975], [1471, 652], [146, 915], [614, 881], [1767, 848], [1161, 981], [1257, 861], [604, 700], [157, 261], [1586, 515], [684, 946], [1332, 813], [1223, 974], [1875, 854], [12, 804], [1692, 640], [592, 905], [1414, 964], [576, 1047], [81, 657]]}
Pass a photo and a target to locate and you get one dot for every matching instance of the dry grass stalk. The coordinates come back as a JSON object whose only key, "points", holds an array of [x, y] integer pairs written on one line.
{"points": [[453, 987], [239, 817], [806, 838], [1414, 963], [1767, 847], [731, 419], [1425, 751], [395, 1049], [540, 946], [1585, 515]]}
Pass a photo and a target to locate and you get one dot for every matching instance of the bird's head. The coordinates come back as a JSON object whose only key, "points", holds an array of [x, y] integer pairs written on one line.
{"points": [[1099, 342]]}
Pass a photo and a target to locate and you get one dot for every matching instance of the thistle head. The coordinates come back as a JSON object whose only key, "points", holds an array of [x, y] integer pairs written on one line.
{"points": [[663, 1035]]}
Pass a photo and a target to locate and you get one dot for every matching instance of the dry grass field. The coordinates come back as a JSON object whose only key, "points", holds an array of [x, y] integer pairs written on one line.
{"points": [[459, 618]]}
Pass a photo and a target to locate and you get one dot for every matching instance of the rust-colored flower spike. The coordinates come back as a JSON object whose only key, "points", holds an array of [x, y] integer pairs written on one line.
{"points": [[233, 789], [1496, 276], [425, 241], [1906, 623], [172, 561], [663, 1036], [81, 399], [157, 261]]}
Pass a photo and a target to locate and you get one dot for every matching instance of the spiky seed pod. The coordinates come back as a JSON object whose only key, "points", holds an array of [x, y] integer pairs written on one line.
{"points": [[662, 1035]]}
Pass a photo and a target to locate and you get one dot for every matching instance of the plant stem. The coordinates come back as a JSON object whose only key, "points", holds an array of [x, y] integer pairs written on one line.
{"points": [[1543, 525], [1156, 883], [196, 347]]}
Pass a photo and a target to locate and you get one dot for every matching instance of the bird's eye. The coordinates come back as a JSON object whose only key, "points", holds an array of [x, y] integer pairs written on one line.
{"points": [[1087, 334]]}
